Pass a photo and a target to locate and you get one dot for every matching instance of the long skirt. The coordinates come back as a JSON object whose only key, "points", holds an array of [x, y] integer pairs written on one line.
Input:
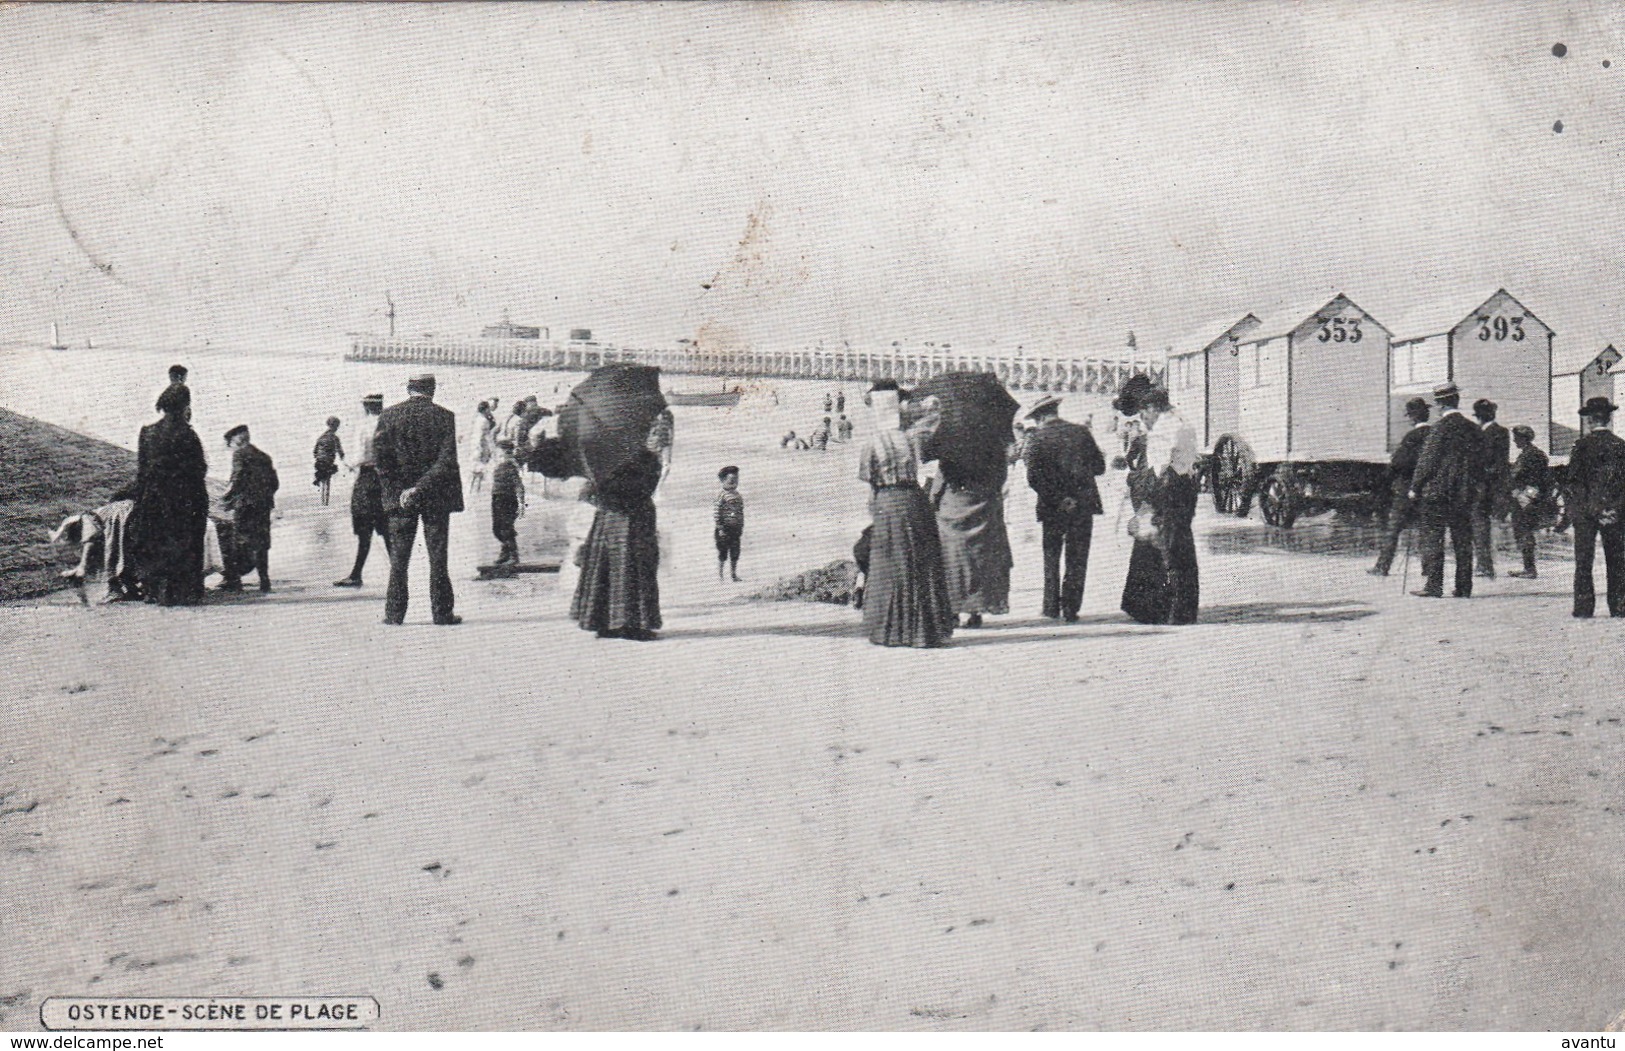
{"points": [[906, 598], [1163, 585], [618, 592], [975, 550]]}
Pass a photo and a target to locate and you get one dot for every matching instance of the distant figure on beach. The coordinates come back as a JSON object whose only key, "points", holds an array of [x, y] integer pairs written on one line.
{"points": [[906, 593], [829, 403], [513, 424], [843, 430], [367, 494], [840, 401], [416, 450], [1495, 499], [507, 503], [790, 441], [820, 435], [177, 375], [618, 595], [1063, 462], [250, 500], [328, 452], [1594, 500], [171, 513], [530, 422], [1449, 482], [1401, 466], [662, 440], [1531, 481], [728, 521], [481, 447]]}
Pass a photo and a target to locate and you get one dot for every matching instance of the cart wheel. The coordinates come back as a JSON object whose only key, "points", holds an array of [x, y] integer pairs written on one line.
{"points": [[1279, 500], [1232, 467]]}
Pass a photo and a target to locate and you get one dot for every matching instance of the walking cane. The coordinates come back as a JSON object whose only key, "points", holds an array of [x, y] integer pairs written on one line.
{"points": [[1405, 573]]}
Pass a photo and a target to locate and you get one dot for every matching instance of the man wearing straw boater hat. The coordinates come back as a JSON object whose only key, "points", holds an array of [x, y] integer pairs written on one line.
{"points": [[1497, 494], [1448, 481], [416, 453], [1594, 500], [1062, 464], [367, 495]]}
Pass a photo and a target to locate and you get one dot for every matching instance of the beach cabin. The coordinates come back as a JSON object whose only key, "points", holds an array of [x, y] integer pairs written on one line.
{"points": [[1204, 377], [1596, 380], [1316, 389], [1499, 350]]}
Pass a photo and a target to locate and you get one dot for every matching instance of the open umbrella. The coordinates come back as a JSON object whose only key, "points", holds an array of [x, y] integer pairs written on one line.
{"points": [[974, 430], [606, 422]]}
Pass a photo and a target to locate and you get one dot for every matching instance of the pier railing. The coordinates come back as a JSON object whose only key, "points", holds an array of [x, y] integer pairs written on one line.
{"points": [[1019, 372]]}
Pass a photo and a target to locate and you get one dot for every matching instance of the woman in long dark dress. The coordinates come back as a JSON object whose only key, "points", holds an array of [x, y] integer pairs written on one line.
{"points": [[905, 600], [1163, 585], [618, 595], [171, 514]]}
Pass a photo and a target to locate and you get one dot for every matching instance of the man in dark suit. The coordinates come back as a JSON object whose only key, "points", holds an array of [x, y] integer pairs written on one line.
{"points": [[1401, 511], [1062, 464], [415, 449], [1493, 501], [1448, 482], [250, 500], [1531, 482], [1594, 500]]}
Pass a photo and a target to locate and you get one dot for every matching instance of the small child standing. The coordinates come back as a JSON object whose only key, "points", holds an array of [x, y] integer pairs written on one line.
{"points": [[507, 502], [329, 450], [730, 521]]}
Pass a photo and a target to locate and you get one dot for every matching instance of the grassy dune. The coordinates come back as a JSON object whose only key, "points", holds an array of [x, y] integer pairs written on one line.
{"points": [[48, 473]]}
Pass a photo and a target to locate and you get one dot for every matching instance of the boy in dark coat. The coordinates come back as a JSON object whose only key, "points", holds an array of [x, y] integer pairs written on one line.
{"points": [[507, 502], [250, 500], [1531, 481]]}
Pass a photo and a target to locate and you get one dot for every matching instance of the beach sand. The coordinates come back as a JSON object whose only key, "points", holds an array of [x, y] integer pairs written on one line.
{"points": [[1327, 806]]}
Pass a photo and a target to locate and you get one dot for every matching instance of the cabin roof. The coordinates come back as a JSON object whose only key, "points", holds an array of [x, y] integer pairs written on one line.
{"points": [[1439, 315], [1284, 322], [1200, 339]]}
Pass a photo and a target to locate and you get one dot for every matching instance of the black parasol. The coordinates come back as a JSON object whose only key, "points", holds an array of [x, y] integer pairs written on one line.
{"points": [[976, 412], [606, 422]]}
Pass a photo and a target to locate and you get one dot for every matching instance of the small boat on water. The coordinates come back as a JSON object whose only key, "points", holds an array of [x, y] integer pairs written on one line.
{"points": [[718, 399], [56, 338]]}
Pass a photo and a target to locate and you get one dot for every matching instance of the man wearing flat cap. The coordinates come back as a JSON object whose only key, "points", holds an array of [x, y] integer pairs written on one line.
{"points": [[416, 452], [1401, 466], [250, 500], [1448, 483], [1494, 500], [1594, 500], [1531, 481], [1063, 462], [367, 494]]}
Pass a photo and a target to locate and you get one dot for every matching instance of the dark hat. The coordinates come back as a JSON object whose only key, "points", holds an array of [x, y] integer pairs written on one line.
{"points": [[1048, 405], [1134, 389], [373, 399], [332, 421], [1417, 408], [1601, 408], [1155, 398], [177, 373], [241, 428], [174, 398], [1523, 430], [726, 471], [1484, 409], [422, 383], [1446, 390]]}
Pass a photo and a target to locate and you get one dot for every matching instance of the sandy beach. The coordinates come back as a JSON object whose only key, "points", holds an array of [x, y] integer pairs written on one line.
{"points": [[1327, 806]]}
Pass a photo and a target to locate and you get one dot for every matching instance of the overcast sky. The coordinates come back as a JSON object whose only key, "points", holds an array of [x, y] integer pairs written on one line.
{"points": [[1046, 175]]}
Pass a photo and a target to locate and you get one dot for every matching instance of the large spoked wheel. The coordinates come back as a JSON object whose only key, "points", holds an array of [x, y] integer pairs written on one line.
{"points": [[1280, 499], [1230, 468]]}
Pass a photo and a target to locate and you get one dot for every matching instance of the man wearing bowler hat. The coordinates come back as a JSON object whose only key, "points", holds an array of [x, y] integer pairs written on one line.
{"points": [[1448, 483], [1531, 482], [1493, 501], [250, 500], [1062, 464], [415, 449], [1594, 499]]}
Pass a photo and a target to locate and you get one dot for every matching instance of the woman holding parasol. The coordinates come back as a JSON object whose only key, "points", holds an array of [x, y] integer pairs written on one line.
{"points": [[969, 437], [906, 595], [607, 424]]}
